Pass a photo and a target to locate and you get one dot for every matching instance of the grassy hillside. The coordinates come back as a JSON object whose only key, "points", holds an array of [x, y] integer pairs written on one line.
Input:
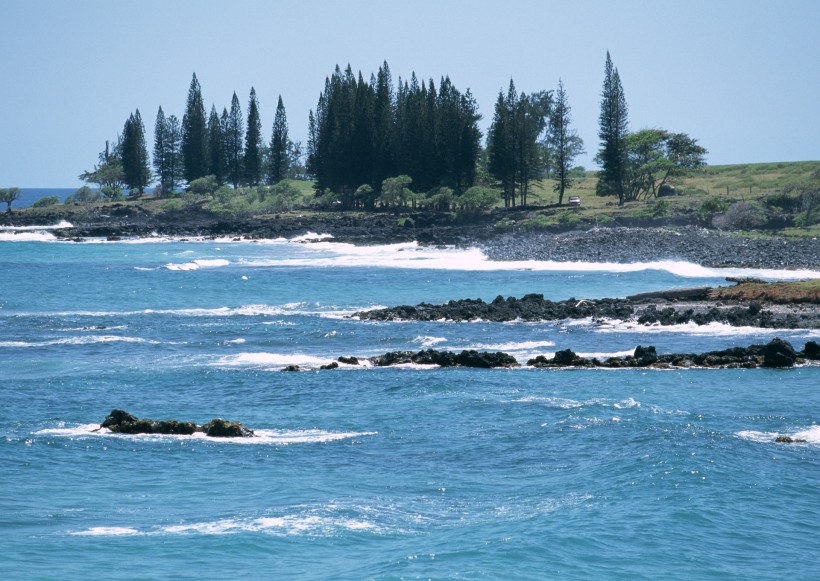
{"points": [[764, 184]]}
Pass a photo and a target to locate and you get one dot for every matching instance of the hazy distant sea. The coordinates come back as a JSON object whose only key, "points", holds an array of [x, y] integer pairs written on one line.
{"points": [[31, 195]]}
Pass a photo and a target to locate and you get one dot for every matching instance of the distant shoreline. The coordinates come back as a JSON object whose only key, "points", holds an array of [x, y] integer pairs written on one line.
{"points": [[650, 243]]}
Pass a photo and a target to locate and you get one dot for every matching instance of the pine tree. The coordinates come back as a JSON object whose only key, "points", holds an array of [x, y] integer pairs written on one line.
{"points": [[234, 128], [160, 149], [613, 128], [253, 143], [216, 147], [564, 141], [279, 144], [501, 146], [384, 105], [135, 160], [194, 135], [173, 162]]}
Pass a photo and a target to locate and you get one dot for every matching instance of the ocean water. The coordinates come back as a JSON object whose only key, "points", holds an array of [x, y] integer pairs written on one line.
{"points": [[371, 473]]}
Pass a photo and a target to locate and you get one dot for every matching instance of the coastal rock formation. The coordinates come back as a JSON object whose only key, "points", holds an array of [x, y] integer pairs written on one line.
{"points": [[219, 428], [673, 307], [121, 422], [472, 358], [776, 353]]}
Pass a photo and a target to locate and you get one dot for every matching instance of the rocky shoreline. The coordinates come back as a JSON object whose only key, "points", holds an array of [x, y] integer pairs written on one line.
{"points": [[617, 244], [690, 244]]}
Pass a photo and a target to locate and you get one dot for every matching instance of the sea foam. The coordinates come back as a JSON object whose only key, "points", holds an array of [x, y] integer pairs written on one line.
{"points": [[262, 436]]}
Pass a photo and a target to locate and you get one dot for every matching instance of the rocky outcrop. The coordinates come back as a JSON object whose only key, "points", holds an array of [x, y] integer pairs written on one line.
{"points": [[219, 428], [472, 358], [776, 353], [121, 422], [663, 308]]}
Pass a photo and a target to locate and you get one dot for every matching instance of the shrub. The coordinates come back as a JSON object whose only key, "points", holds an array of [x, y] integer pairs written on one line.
{"points": [[741, 216], [203, 186], [477, 199], [46, 202], [660, 208], [504, 224], [173, 204], [568, 218], [84, 195], [710, 208]]}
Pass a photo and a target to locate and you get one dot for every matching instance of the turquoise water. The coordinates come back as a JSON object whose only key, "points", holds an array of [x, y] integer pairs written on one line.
{"points": [[364, 473]]}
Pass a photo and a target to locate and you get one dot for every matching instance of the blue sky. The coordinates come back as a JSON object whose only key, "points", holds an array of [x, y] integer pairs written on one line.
{"points": [[743, 77]]}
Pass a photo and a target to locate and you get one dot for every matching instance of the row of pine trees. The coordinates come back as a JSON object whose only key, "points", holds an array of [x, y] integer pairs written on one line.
{"points": [[360, 134]]}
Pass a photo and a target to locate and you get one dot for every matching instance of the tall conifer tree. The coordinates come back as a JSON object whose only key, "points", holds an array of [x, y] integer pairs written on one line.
{"points": [[253, 142], [135, 160], [279, 145], [234, 128], [194, 134], [173, 151], [564, 141], [216, 147], [160, 148], [613, 128]]}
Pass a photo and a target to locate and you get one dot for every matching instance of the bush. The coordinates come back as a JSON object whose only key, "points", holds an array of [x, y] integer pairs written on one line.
{"points": [[203, 186], [477, 199], [604, 220], [46, 202], [84, 195], [505, 224], [710, 208], [660, 208], [568, 218], [173, 204], [741, 216]]}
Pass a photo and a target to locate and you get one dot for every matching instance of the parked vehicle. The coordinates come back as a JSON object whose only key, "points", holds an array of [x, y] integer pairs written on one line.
{"points": [[574, 201]]}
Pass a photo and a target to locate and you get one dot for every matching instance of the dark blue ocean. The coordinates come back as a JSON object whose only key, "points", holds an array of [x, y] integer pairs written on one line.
{"points": [[380, 473]]}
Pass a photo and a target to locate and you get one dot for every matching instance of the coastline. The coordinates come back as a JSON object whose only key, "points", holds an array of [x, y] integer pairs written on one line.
{"points": [[651, 243]]}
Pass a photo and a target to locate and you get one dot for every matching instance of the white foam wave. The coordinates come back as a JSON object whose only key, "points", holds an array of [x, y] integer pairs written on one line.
{"points": [[285, 525], [810, 435], [513, 346], [244, 310], [311, 237], [262, 437], [107, 532], [568, 404], [58, 226], [426, 341], [713, 329], [85, 340], [413, 256], [268, 361], [197, 264], [27, 237]]}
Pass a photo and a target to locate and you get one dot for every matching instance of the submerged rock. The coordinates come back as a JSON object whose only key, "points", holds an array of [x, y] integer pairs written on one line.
{"points": [[121, 422], [789, 440]]}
